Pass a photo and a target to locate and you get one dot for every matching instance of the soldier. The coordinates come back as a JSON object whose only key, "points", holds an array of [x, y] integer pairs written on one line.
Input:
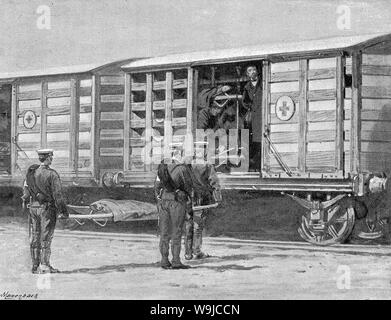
{"points": [[174, 192], [205, 179], [43, 192]]}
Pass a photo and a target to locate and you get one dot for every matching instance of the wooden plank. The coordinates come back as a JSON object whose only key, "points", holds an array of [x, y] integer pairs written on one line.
{"points": [[159, 85], [284, 137], [160, 105], [180, 84], [29, 95], [376, 92], [376, 70], [303, 107], [138, 106], [179, 103], [284, 76], [137, 123], [113, 124], [58, 93], [322, 74], [148, 121], [284, 128], [325, 105], [339, 116], [106, 162], [14, 124], [375, 147], [376, 104], [284, 66], [112, 89], [375, 125], [294, 95], [111, 152], [355, 113], [34, 105], [138, 86], [58, 111], [322, 63], [321, 136], [320, 159], [195, 101], [189, 111], [112, 116], [126, 114], [168, 113], [325, 84], [95, 126], [74, 126], [84, 91], [376, 81], [43, 113], [111, 80], [180, 122], [58, 102], [384, 115], [321, 146], [375, 136], [111, 134], [291, 160], [284, 86], [375, 162], [374, 59], [112, 98], [111, 106], [320, 116], [319, 95]]}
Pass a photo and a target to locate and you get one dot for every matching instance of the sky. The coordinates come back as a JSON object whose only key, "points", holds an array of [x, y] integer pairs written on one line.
{"points": [[95, 31]]}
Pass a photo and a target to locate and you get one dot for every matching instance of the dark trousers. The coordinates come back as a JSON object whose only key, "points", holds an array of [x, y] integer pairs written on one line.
{"points": [[194, 226], [42, 224], [172, 215], [255, 155]]}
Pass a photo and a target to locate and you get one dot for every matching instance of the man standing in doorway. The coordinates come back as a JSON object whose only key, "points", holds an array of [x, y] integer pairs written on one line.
{"points": [[252, 101]]}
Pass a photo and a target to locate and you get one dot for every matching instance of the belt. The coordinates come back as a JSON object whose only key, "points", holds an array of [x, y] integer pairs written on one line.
{"points": [[168, 196]]}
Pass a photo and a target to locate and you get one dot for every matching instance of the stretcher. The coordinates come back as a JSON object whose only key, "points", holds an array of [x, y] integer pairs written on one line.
{"points": [[105, 210]]}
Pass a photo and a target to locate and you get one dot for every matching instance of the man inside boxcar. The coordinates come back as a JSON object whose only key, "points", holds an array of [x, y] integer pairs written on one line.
{"points": [[208, 116], [43, 193], [252, 101], [174, 194], [207, 185]]}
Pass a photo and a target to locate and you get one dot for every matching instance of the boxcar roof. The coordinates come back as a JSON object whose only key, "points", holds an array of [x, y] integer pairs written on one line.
{"points": [[264, 51], [85, 68]]}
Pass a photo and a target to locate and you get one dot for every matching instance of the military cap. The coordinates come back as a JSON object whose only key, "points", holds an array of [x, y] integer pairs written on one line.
{"points": [[43, 152]]}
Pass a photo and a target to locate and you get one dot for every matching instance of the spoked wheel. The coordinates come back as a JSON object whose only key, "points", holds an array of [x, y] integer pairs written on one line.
{"points": [[336, 225]]}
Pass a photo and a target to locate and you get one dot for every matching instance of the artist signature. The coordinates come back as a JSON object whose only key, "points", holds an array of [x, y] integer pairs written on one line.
{"points": [[6, 295]]}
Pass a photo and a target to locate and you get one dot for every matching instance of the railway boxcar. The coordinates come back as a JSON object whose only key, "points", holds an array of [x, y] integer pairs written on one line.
{"points": [[75, 110], [326, 121]]}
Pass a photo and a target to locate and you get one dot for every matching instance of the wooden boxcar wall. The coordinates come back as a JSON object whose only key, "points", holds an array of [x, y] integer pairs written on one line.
{"points": [[63, 110], [158, 111], [110, 120], [316, 138], [376, 113]]}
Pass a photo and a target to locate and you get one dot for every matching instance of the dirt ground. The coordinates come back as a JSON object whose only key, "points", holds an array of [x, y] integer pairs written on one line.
{"points": [[117, 266]]}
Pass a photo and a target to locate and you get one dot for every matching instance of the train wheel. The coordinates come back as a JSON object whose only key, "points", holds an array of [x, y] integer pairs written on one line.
{"points": [[335, 228]]}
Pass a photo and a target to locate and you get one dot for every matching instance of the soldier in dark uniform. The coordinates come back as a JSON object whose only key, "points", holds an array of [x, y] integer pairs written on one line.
{"points": [[43, 192], [174, 192], [205, 176], [252, 101]]}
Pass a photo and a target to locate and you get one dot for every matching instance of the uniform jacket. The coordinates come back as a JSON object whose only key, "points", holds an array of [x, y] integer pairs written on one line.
{"points": [[252, 99], [48, 181], [206, 120], [181, 177]]}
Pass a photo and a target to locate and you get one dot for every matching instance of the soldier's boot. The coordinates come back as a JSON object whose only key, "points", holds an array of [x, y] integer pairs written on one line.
{"points": [[35, 258], [176, 260], [189, 241], [164, 251], [198, 254], [45, 266]]}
